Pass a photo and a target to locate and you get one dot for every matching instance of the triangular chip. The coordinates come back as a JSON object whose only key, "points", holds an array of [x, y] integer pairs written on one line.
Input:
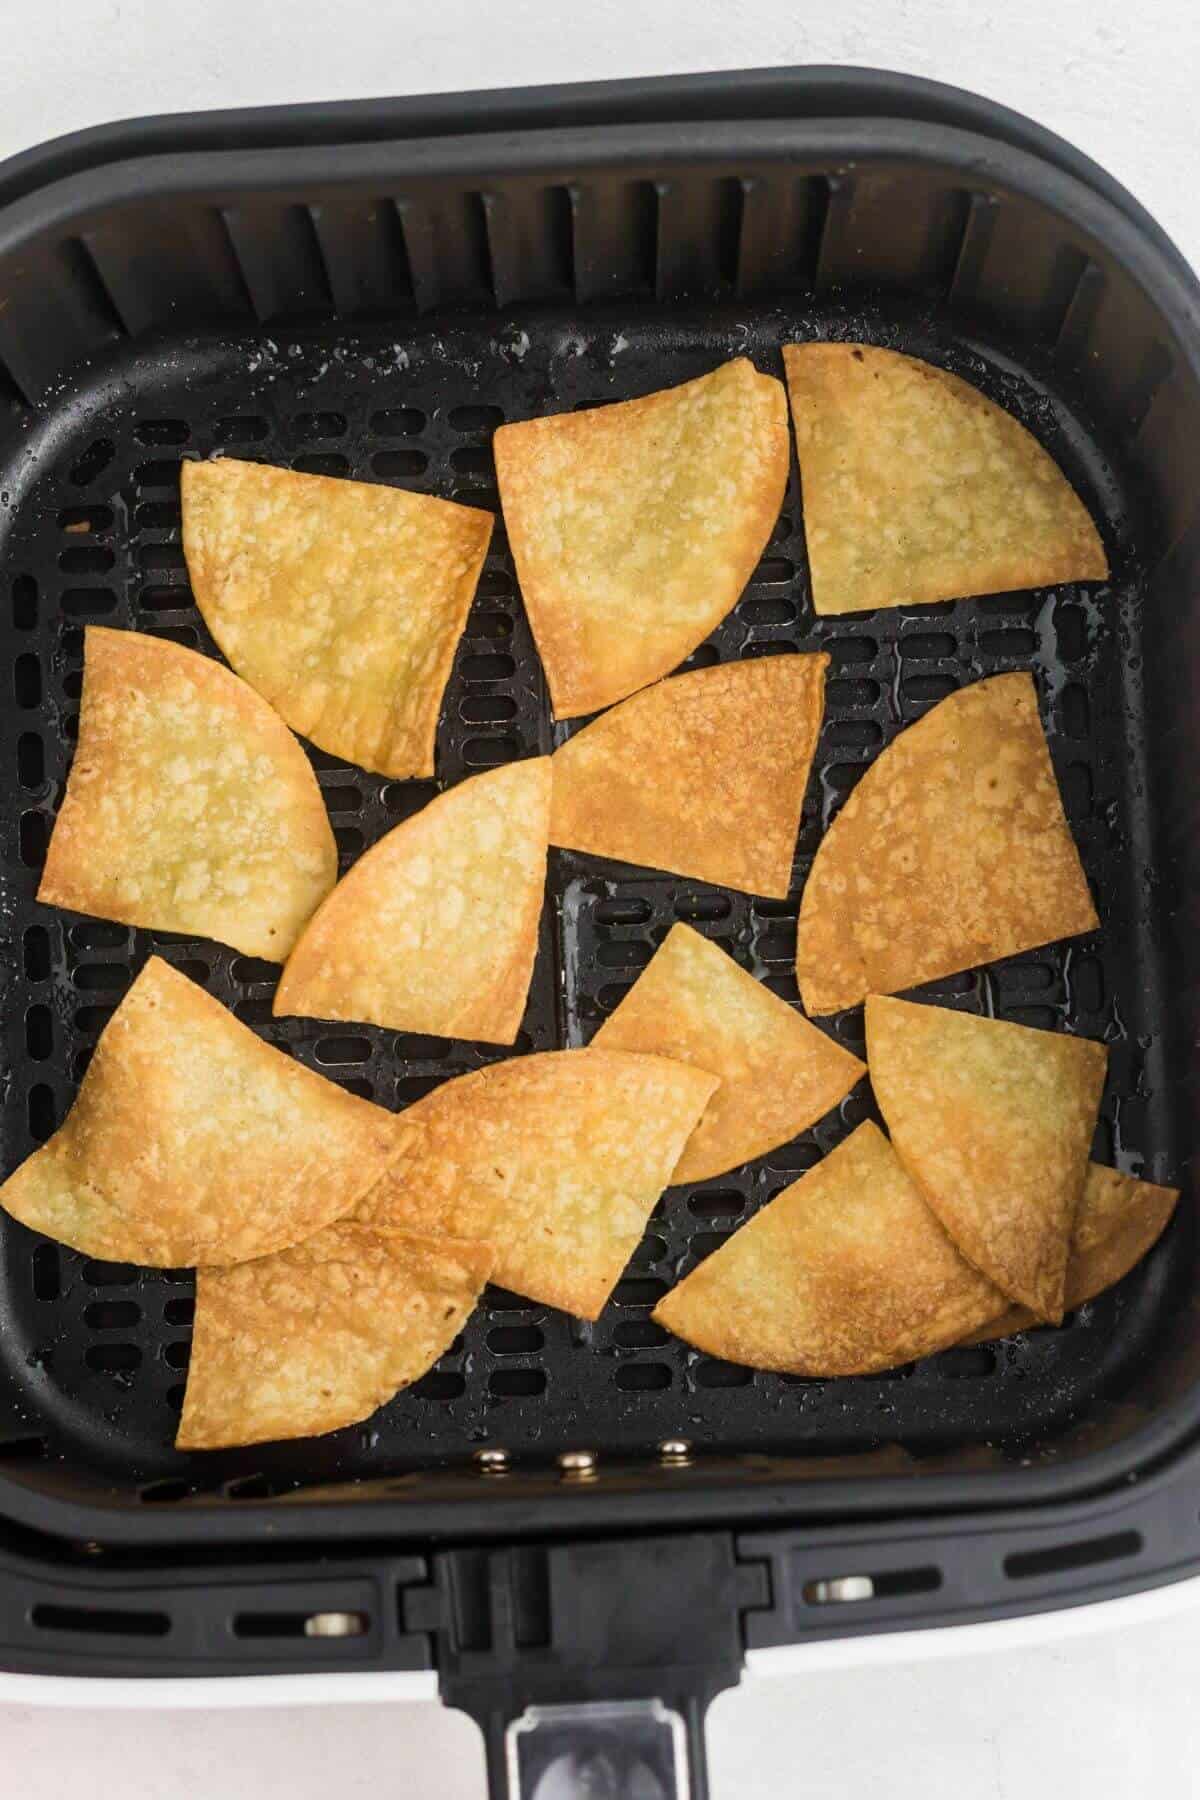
{"points": [[340, 601], [435, 928], [1119, 1220], [918, 488], [703, 775], [994, 1122], [318, 1336], [845, 1272], [778, 1073], [635, 527], [952, 850], [192, 1140], [190, 806], [556, 1160]]}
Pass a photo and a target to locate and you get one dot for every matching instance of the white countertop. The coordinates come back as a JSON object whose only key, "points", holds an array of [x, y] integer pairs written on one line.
{"points": [[1110, 1715]]}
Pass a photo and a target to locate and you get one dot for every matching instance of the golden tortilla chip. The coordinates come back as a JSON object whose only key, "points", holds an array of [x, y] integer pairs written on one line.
{"points": [[190, 806], [1119, 1220], [317, 1337], [635, 527], [844, 1273], [555, 1159], [191, 1140], [704, 774], [778, 1073], [917, 488], [340, 601], [435, 928], [953, 850], [994, 1122]]}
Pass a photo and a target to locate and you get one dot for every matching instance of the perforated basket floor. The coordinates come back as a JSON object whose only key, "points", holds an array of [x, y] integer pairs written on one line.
{"points": [[93, 1356]]}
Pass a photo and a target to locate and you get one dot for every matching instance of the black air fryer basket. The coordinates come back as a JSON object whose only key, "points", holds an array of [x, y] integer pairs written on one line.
{"points": [[558, 1513]]}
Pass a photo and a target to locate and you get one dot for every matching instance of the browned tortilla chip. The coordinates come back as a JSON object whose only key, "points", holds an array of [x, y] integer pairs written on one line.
{"points": [[994, 1122], [635, 527], [778, 1073], [1119, 1220], [190, 806], [318, 1336], [917, 488], [953, 850], [340, 601], [555, 1159], [192, 1140], [435, 928], [845, 1272], [704, 774]]}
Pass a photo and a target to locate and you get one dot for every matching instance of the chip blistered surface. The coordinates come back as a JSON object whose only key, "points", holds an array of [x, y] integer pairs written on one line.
{"points": [[918, 488], [190, 806], [435, 928], [635, 527], [340, 601]]}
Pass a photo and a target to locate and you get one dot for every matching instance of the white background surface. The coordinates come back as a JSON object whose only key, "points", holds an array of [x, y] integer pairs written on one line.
{"points": [[1112, 1716]]}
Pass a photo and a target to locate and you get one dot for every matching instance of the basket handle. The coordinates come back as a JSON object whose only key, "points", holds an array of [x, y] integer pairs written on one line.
{"points": [[589, 1667]]}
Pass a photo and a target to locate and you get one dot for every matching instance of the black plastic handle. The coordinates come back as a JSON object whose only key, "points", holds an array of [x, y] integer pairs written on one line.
{"points": [[590, 1667]]}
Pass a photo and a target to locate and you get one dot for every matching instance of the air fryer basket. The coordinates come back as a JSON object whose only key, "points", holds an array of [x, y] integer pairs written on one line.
{"points": [[370, 291]]}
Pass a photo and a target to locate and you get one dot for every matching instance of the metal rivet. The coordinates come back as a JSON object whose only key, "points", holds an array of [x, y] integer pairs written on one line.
{"points": [[492, 1462], [580, 1465], [675, 1450], [335, 1625]]}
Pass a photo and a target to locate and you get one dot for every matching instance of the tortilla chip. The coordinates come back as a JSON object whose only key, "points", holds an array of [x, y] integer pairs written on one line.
{"points": [[778, 1073], [192, 1140], [190, 806], [994, 1122], [704, 775], [953, 850], [917, 488], [845, 1272], [318, 1336], [340, 601], [635, 527], [435, 928], [1119, 1220], [556, 1159]]}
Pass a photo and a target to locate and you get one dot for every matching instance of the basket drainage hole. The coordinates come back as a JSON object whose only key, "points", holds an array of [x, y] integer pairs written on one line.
{"points": [[111, 1315], [891, 1584], [515, 1384], [113, 1359], [643, 1378], [301, 1625], [22, 1449], [47, 1278], [164, 1491], [1079, 1555]]}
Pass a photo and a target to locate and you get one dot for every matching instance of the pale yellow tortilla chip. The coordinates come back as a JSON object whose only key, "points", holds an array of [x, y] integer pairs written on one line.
{"points": [[193, 1141], [845, 1272], [918, 488], [435, 928], [318, 1336], [190, 806], [778, 1073], [340, 601], [994, 1122], [635, 527], [1119, 1220], [556, 1159], [703, 775], [953, 850]]}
